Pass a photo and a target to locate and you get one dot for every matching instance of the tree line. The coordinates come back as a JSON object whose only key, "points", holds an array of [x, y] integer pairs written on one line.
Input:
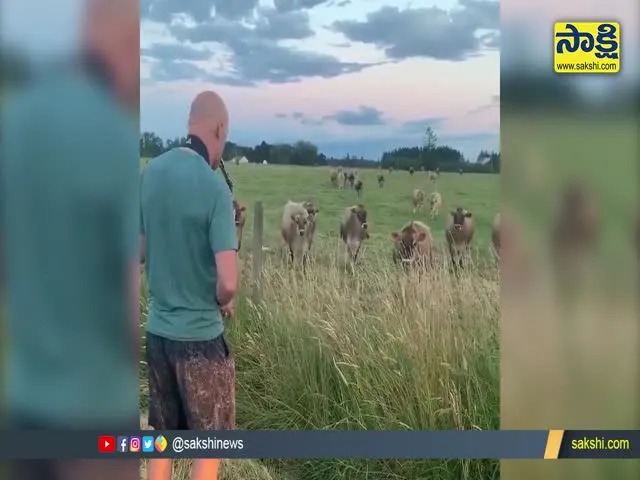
{"points": [[429, 156]]}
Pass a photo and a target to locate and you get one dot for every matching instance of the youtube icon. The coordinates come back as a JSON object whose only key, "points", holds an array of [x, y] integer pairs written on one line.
{"points": [[106, 444]]}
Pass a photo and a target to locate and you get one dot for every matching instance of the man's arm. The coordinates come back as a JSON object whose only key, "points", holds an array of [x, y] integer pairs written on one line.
{"points": [[223, 242]]}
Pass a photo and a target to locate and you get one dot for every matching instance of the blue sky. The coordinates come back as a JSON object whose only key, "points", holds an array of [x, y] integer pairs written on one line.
{"points": [[352, 76]]}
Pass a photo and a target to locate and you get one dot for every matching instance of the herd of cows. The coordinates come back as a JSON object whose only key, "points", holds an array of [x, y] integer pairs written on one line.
{"points": [[414, 243]]}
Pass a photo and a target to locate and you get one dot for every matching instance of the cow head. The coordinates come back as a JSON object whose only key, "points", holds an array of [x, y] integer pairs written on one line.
{"points": [[459, 216], [239, 213], [405, 243], [300, 221]]}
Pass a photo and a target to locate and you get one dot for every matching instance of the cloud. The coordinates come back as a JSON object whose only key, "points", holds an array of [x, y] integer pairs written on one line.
{"points": [[493, 103], [362, 116], [425, 32], [255, 54], [420, 125]]}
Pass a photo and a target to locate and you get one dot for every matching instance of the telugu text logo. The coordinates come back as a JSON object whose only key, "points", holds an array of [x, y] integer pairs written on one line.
{"points": [[586, 47]]}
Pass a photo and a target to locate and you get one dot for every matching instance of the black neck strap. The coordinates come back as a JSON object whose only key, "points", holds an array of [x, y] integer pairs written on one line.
{"points": [[194, 143], [96, 67]]}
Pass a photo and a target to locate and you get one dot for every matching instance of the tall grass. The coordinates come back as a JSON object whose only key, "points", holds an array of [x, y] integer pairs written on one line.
{"points": [[374, 349]]}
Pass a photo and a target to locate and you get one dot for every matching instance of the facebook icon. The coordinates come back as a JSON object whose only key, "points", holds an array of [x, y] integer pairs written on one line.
{"points": [[122, 444]]}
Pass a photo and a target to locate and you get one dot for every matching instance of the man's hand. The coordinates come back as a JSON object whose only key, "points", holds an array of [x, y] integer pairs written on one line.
{"points": [[227, 310]]}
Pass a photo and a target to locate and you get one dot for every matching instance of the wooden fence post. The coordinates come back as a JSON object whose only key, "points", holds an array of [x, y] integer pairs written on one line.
{"points": [[258, 237]]}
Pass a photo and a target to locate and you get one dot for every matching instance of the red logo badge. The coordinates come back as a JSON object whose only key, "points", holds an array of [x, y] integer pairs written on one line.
{"points": [[106, 444]]}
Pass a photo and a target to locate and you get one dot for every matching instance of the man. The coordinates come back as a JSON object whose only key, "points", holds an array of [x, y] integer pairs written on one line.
{"points": [[189, 248], [70, 244]]}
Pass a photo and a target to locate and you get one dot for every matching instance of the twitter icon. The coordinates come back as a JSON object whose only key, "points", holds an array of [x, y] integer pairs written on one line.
{"points": [[147, 444]]}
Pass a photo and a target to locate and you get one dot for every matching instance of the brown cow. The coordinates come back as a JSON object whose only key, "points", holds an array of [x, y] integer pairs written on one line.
{"points": [[351, 178], [295, 221], [354, 229], [312, 210], [240, 215], [459, 233], [358, 186], [495, 232], [413, 245], [435, 202], [418, 200]]}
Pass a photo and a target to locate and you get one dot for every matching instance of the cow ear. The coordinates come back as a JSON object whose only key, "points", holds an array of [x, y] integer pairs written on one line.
{"points": [[468, 214], [354, 209], [395, 236], [243, 208], [316, 210], [452, 213], [421, 236]]}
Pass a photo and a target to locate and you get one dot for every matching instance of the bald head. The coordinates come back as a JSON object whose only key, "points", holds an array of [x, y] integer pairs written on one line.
{"points": [[208, 108], [111, 30], [209, 120]]}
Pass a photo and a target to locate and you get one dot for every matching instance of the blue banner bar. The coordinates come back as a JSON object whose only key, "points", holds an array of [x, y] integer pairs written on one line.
{"points": [[505, 444]]}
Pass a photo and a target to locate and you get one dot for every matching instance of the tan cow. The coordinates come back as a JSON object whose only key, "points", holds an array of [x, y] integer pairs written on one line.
{"points": [[295, 221], [358, 187], [312, 210], [435, 203], [413, 245], [459, 234], [333, 176], [418, 200], [240, 216], [354, 229], [495, 232]]}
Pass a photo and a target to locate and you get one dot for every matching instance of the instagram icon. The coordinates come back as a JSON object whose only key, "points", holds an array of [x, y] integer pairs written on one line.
{"points": [[134, 444]]}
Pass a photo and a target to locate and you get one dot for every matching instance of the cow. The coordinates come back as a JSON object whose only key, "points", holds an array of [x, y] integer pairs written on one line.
{"points": [[495, 232], [459, 234], [460, 171], [334, 178], [312, 210], [342, 180], [413, 245], [411, 171], [390, 170], [574, 233], [418, 200], [240, 216], [358, 186], [354, 229], [295, 221], [432, 176], [351, 177], [435, 202], [381, 180]]}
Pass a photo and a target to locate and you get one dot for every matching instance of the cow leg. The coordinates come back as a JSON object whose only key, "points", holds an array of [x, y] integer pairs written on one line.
{"points": [[291, 255], [355, 255]]}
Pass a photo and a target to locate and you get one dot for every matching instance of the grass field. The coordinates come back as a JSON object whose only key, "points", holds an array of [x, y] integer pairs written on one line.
{"points": [[373, 350]]}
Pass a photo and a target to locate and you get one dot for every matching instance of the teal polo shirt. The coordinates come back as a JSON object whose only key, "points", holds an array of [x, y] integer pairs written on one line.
{"points": [[69, 194], [186, 218]]}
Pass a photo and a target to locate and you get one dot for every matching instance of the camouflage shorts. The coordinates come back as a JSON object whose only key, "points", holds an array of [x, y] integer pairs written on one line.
{"points": [[191, 384]]}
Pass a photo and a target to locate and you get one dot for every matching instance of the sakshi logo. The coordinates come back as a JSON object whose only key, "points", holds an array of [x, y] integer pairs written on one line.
{"points": [[586, 47]]}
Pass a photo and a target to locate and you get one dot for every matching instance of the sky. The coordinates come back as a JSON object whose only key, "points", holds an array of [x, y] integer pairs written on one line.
{"points": [[351, 76]]}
